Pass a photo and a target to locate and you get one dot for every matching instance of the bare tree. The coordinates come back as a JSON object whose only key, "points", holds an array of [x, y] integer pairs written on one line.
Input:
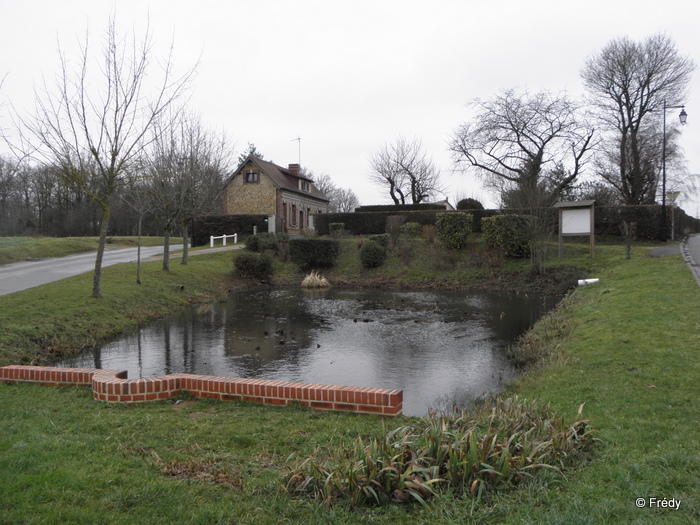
{"points": [[341, 200], [533, 143], [94, 124], [629, 83], [406, 171], [186, 169], [531, 147]]}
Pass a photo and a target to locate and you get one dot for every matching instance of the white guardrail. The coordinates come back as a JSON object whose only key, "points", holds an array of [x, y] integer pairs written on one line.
{"points": [[212, 238]]}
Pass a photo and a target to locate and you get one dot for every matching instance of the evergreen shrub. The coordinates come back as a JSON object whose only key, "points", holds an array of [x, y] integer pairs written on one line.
{"points": [[336, 229], [509, 233], [372, 254], [253, 266], [411, 229], [262, 241], [453, 229], [314, 253], [380, 238]]}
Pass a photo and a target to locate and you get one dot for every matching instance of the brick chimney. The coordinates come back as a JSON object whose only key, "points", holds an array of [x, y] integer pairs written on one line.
{"points": [[295, 168]]}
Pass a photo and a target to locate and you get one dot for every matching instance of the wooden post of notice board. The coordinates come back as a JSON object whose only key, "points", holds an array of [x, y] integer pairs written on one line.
{"points": [[576, 218]]}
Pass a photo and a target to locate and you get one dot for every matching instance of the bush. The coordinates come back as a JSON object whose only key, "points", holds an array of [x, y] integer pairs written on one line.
{"points": [[380, 238], [262, 242], [253, 266], [336, 229], [453, 229], [281, 237], [411, 229], [314, 253], [509, 233], [469, 204], [372, 254], [393, 227]]}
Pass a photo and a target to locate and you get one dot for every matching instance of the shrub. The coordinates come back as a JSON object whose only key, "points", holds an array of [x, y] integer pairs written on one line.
{"points": [[509, 233], [281, 237], [261, 242], [381, 238], [253, 266], [469, 204], [429, 233], [313, 253], [474, 452], [411, 229], [453, 229], [372, 254], [336, 229], [393, 227]]}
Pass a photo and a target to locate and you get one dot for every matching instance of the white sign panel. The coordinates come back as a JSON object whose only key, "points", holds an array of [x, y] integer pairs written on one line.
{"points": [[576, 221]]}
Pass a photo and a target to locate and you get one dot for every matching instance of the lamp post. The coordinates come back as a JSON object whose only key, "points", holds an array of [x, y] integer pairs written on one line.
{"points": [[683, 116]]}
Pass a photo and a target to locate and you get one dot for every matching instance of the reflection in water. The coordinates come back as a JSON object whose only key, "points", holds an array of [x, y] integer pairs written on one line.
{"points": [[433, 345]]}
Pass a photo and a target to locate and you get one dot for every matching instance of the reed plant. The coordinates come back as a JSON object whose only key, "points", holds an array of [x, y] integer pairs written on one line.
{"points": [[470, 453], [315, 280]]}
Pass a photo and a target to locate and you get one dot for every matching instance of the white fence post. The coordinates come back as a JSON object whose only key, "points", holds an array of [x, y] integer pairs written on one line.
{"points": [[224, 237]]}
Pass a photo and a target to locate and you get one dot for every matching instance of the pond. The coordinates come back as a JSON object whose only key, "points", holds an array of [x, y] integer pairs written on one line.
{"points": [[440, 347]]}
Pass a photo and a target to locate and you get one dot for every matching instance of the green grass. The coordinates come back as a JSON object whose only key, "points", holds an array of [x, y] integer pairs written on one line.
{"points": [[626, 347], [16, 249]]}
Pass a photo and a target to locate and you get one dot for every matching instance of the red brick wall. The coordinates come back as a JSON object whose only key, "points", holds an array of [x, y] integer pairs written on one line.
{"points": [[113, 386]]}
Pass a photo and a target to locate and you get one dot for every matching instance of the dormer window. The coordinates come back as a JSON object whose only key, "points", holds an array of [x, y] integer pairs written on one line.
{"points": [[304, 185], [252, 176]]}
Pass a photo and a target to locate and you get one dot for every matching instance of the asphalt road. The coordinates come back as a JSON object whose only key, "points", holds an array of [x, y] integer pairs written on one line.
{"points": [[691, 253], [23, 275]]}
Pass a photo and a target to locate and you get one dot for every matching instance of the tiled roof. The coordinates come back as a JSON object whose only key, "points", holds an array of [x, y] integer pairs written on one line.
{"points": [[282, 177]]}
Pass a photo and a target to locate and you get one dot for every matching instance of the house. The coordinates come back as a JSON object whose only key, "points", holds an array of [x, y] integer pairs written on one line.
{"points": [[446, 204], [261, 187]]}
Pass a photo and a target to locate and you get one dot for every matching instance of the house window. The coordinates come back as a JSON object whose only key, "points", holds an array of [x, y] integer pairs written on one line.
{"points": [[294, 214], [252, 176], [304, 185]]}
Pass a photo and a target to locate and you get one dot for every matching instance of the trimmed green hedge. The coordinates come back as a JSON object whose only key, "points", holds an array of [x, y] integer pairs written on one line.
{"points": [[509, 233], [399, 207], [216, 225], [314, 253], [253, 266], [453, 229]]}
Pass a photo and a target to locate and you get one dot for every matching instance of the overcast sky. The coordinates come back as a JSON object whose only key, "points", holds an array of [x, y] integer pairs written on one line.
{"points": [[349, 76]]}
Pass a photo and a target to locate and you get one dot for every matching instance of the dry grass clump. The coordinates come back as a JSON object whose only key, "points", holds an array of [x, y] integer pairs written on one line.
{"points": [[315, 280]]}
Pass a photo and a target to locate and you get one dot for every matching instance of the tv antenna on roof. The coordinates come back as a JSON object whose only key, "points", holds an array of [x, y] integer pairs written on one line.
{"points": [[298, 139]]}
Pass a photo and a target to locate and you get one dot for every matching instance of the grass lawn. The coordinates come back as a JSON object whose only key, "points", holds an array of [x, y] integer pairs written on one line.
{"points": [[15, 249], [626, 347]]}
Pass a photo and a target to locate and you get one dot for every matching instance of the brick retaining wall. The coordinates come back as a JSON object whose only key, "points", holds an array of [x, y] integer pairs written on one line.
{"points": [[113, 386]]}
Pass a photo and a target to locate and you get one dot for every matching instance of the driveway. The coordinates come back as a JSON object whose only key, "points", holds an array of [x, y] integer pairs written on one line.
{"points": [[28, 274]]}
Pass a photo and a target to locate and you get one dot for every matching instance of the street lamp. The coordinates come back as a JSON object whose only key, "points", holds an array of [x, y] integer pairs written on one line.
{"points": [[683, 117]]}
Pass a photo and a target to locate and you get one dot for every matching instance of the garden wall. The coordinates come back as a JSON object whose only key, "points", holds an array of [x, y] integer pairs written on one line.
{"points": [[113, 386]]}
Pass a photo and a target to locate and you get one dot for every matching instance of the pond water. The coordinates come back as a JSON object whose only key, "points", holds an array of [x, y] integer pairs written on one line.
{"points": [[438, 346]]}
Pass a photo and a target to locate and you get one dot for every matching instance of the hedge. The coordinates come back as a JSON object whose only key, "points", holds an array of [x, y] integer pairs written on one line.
{"points": [[314, 253], [217, 225], [453, 229], [399, 207], [509, 233]]}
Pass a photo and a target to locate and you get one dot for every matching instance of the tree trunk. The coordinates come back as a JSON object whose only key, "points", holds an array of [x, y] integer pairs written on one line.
{"points": [[185, 245], [97, 275], [138, 251], [166, 250]]}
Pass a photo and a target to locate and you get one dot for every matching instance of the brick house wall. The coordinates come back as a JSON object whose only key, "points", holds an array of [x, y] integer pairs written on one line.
{"points": [[243, 197]]}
